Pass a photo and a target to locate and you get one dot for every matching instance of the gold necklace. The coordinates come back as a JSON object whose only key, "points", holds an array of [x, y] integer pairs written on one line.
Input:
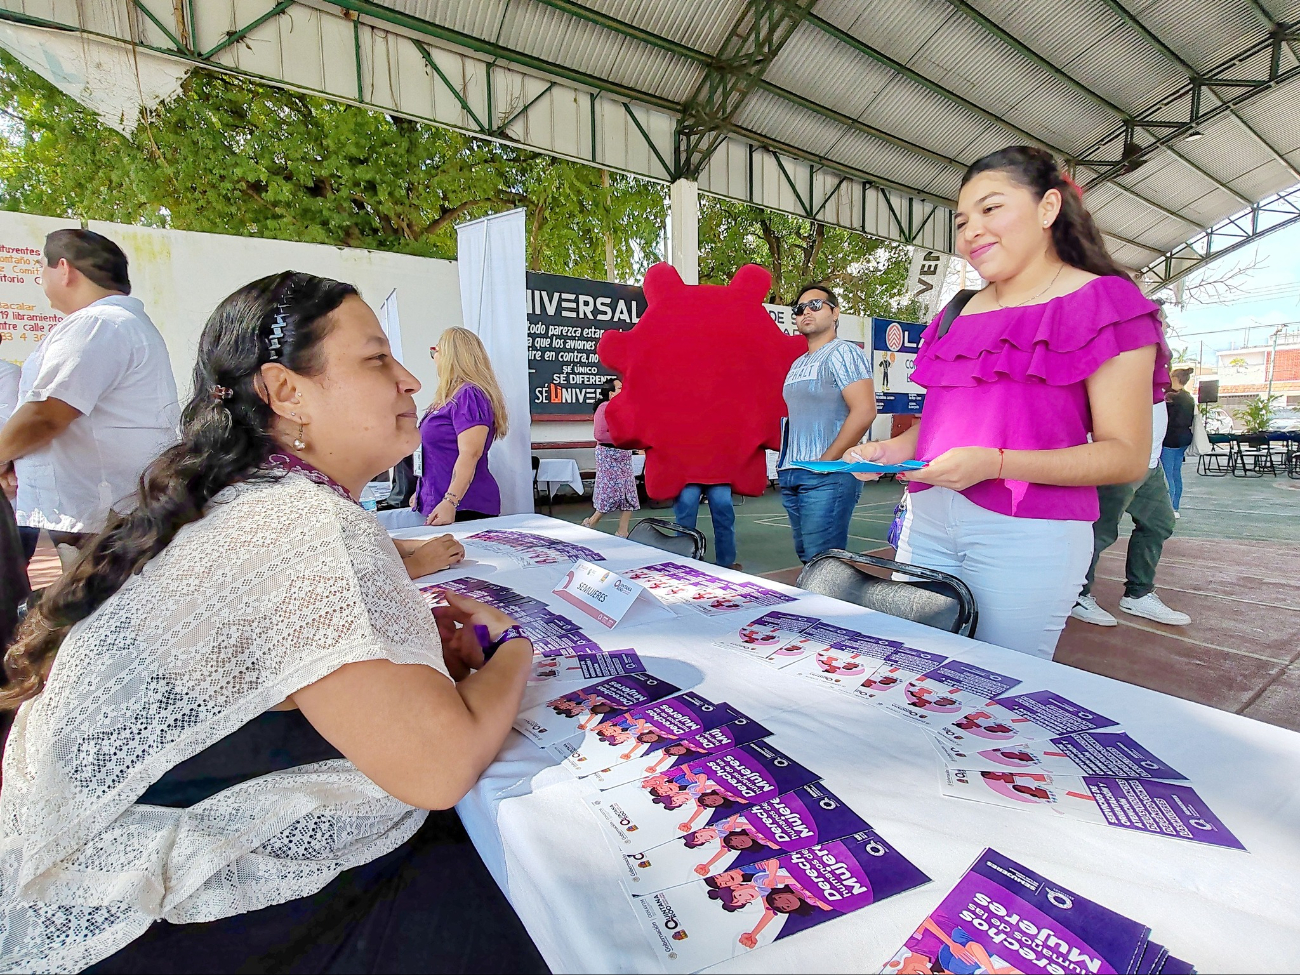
{"points": [[1040, 294]]}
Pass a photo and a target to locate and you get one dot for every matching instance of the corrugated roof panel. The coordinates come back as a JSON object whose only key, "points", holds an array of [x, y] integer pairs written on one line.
{"points": [[1204, 33], [1265, 180], [1276, 116], [560, 38], [1093, 44], [789, 123], [702, 24], [481, 19], [925, 118], [1225, 149], [817, 66], [899, 30], [965, 59]]}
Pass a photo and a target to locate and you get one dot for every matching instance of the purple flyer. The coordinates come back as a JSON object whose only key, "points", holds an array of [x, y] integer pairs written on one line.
{"points": [[1159, 807], [763, 635], [575, 712], [729, 914], [1141, 805], [818, 638], [1088, 753], [895, 672], [791, 822], [671, 755], [1003, 917], [1024, 717], [656, 809], [585, 668], [937, 696], [629, 735]]}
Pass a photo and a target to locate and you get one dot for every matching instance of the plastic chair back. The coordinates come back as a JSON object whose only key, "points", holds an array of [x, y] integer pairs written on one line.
{"points": [[658, 533], [931, 597]]}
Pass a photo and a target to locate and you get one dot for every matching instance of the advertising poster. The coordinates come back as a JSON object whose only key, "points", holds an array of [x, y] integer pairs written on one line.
{"points": [[894, 346]]}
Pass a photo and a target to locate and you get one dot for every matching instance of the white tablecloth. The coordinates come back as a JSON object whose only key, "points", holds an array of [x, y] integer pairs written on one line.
{"points": [[1221, 910], [556, 471]]}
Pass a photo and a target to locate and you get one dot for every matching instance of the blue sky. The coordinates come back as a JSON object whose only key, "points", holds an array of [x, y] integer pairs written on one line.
{"points": [[1271, 297]]}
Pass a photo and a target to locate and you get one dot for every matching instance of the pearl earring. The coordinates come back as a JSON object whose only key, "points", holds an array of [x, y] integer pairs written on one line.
{"points": [[298, 442]]}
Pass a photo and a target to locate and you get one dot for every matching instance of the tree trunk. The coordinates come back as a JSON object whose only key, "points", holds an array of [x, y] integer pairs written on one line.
{"points": [[610, 273]]}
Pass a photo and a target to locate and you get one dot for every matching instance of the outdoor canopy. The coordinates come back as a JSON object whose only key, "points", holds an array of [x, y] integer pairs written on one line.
{"points": [[1179, 117]]}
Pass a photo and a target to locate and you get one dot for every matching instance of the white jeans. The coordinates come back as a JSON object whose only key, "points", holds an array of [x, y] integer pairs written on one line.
{"points": [[1025, 573]]}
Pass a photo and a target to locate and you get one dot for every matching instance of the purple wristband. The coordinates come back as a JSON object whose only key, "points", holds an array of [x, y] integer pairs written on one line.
{"points": [[490, 646]]}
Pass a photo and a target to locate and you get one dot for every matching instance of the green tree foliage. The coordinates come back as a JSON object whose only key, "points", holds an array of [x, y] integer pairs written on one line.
{"points": [[869, 275], [231, 156]]}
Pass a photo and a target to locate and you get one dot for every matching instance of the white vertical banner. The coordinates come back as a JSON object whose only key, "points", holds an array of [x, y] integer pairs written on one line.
{"points": [[391, 325], [494, 306], [925, 279]]}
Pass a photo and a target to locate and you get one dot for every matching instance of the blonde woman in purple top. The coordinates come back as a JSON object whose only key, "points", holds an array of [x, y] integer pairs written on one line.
{"points": [[467, 414], [1040, 391]]}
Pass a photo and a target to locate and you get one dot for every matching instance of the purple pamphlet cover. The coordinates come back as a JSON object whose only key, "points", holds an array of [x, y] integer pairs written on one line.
{"points": [[630, 734], [670, 755], [1114, 754], [1149, 806], [578, 710], [795, 821], [731, 913], [1002, 915], [1042, 714], [646, 813], [586, 668]]}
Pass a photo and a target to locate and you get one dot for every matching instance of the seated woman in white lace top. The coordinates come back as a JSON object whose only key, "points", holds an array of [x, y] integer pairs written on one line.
{"points": [[236, 708]]}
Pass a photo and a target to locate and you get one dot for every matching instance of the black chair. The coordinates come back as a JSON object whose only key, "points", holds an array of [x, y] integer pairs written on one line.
{"points": [[538, 493], [934, 598], [658, 533], [1254, 456]]}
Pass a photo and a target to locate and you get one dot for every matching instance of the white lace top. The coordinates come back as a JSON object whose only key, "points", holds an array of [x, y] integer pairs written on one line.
{"points": [[277, 586]]}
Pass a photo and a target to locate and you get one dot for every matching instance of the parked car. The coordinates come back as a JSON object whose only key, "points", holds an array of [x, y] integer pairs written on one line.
{"points": [[1217, 420], [1285, 420]]}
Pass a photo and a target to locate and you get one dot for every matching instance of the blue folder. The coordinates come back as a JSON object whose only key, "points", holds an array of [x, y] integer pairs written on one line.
{"points": [[857, 467]]}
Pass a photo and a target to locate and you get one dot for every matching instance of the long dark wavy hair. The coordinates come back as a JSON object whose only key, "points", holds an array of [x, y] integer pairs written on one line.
{"points": [[225, 438], [1074, 235]]}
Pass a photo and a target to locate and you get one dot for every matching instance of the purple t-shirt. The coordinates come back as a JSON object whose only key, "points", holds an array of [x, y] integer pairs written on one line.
{"points": [[1014, 378], [468, 407]]}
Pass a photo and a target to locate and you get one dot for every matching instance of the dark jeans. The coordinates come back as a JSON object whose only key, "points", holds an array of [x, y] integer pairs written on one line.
{"points": [[820, 507], [31, 537], [687, 508], [1147, 503]]}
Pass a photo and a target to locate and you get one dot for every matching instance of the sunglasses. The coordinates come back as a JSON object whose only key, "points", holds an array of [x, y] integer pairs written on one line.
{"points": [[433, 350], [816, 304]]}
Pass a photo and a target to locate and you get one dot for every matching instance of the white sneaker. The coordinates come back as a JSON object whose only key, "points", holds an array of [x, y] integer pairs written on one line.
{"points": [[1086, 609], [1176, 514], [1150, 607]]}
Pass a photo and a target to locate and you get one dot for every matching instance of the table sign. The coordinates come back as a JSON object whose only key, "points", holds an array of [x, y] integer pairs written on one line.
{"points": [[607, 597]]}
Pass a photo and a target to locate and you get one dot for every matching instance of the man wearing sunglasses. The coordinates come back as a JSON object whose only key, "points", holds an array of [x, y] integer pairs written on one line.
{"points": [[831, 401]]}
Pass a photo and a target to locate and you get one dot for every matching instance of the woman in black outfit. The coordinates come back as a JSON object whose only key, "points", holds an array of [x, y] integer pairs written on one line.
{"points": [[1178, 437], [229, 764]]}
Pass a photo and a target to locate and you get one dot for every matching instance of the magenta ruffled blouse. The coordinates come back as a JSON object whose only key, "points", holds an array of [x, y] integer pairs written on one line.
{"points": [[1014, 378]]}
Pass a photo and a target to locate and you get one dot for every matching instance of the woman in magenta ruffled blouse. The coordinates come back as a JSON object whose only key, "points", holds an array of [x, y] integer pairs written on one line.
{"points": [[1040, 390]]}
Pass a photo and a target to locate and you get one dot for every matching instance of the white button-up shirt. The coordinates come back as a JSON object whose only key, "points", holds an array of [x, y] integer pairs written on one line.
{"points": [[109, 362]]}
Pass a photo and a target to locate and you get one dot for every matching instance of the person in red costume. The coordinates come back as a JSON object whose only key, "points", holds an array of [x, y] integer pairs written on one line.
{"points": [[702, 372]]}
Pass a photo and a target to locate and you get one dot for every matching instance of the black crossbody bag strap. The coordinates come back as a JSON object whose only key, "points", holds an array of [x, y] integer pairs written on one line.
{"points": [[952, 310]]}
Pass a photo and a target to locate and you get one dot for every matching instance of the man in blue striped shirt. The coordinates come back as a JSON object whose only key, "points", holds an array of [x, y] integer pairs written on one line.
{"points": [[831, 401]]}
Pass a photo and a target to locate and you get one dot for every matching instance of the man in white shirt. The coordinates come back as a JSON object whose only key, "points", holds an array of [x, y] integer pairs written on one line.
{"points": [[1147, 503], [9, 377], [97, 401]]}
